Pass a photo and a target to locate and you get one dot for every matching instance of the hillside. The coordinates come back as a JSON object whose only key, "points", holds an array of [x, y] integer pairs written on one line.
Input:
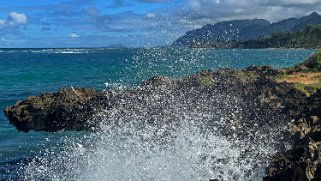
{"points": [[309, 37], [243, 30]]}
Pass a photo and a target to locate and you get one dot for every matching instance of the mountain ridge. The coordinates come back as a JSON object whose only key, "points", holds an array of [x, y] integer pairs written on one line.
{"points": [[246, 29]]}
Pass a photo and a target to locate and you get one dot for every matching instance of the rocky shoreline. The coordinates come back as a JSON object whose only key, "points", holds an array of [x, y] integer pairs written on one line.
{"points": [[262, 92]]}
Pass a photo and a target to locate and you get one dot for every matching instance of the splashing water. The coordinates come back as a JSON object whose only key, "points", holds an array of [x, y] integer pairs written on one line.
{"points": [[166, 133]]}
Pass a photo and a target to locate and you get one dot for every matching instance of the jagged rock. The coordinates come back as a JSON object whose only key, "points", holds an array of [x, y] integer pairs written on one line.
{"points": [[303, 161], [66, 109], [313, 63], [254, 89], [158, 81], [70, 109], [263, 70]]}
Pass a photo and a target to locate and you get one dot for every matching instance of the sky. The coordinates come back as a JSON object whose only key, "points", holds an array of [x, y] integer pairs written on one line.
{"points": [[133, 23]]}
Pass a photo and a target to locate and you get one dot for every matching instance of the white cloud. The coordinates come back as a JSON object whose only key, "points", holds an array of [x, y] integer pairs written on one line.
{"points": [[299, 1], [14, 19], [11, 41], [73, 35], [151, 15], [2, 23], [153, 1], [218, 10]]}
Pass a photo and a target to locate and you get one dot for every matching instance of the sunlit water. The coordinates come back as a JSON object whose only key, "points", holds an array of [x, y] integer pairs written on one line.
{"points": [[177, 145]]}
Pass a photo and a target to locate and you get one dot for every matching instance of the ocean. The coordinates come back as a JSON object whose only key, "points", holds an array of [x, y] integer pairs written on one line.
{"points": [[55, 156]]}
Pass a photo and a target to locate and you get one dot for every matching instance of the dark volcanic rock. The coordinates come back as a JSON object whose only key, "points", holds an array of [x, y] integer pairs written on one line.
{"points": [[66, 109], [264, 70], [303, 161], [252, 102], [76, 109], [313, 63]]}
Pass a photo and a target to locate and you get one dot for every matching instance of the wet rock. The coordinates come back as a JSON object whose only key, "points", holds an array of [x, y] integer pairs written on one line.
{"points": [[303, 161], [264, 70], [67, 109], [311, 64], [75, 109], [253, 89], [158, 81]]}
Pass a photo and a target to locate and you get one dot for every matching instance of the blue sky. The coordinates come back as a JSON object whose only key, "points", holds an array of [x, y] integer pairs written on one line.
{"points": [[99, 23]]}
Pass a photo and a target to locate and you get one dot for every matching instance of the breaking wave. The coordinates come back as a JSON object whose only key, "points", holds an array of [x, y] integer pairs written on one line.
{"points": [[164, 134]]}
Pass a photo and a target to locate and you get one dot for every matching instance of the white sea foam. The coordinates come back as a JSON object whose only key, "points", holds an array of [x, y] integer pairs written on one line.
{"points": [[162, 137], [62, 51], [58, 51]]}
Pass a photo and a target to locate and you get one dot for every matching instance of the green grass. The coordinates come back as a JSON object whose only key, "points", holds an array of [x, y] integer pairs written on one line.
{"points": [[307, 89], [302, 87], [206, 81], [313, 64], [318, 54], [281, 76], [246, 76]]}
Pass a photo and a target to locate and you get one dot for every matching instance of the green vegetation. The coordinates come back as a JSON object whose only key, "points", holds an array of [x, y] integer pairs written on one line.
{"points": [[318, 58], [313, 64], [304, 83], [247, 76], [225, 34], [309, 37], [306, 76], [206, 81], [307, 89], [281, 76], [302, 87]]}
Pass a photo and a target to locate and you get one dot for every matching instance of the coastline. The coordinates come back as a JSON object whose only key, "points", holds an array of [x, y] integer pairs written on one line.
{"points": [[282, 48], [271, 95]]}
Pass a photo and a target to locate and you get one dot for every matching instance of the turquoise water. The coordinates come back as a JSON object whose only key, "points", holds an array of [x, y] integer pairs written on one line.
{"points": [[26, 72]]}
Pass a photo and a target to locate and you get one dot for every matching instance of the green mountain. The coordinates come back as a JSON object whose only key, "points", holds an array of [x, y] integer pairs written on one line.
{"points": [[293, 24], [243, 30], [309, 37]]}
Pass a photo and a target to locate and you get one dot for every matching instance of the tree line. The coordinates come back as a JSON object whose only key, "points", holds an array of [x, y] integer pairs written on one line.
{"points": [[309, 37]]}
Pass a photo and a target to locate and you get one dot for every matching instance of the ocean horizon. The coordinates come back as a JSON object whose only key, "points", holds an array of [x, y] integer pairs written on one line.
{"points": [[41, 155]]}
